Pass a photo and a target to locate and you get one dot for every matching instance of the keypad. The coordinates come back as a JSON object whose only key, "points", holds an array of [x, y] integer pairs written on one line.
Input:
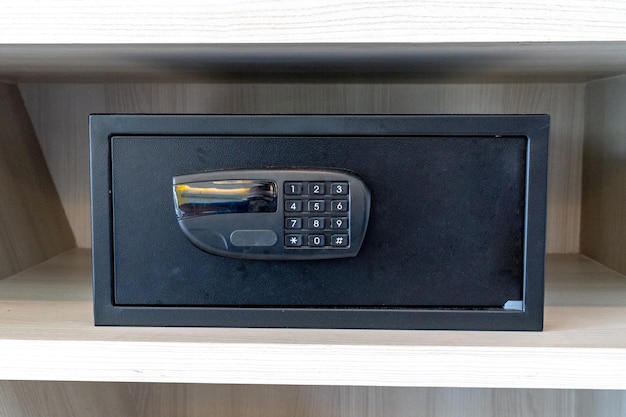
{"points": [[317, 214]]}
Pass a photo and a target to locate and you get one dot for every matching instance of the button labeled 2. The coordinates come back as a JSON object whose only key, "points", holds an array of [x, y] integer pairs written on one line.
{"points": [[278, 214]]}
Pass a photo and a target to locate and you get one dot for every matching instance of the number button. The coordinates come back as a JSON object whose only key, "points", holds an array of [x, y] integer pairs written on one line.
{"points": [[293, 188], [316, 223], [339, 188], [293, 240], [317, 205], [339, 223], [293, 205], [339, 205], [316, 188], [293, 223], [316, 240]]}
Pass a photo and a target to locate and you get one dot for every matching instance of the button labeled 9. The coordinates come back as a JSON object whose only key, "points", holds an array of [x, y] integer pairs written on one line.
{"points": [[339, 223]]}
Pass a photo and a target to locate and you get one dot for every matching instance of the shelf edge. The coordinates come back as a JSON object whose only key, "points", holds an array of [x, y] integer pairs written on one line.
{"points": [[294, 364]]}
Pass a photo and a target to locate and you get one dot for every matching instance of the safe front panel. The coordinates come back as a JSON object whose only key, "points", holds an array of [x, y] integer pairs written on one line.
{"points": [[454, 237]]}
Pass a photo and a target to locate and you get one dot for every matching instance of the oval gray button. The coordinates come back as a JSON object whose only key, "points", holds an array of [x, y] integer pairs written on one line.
{"points": [[253, 238]]}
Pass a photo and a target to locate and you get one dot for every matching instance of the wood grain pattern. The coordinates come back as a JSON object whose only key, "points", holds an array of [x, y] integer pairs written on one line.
{"points": [[65, 399], [583, 345], [96, 399], [59, 113], [252, 363], [33, 226], [603, 235], [258, 21], [163, 400]]}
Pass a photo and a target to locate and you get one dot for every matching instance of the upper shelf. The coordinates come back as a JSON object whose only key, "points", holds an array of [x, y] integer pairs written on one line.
{"points": [[347, 40], [47, 333], [322, 21]]}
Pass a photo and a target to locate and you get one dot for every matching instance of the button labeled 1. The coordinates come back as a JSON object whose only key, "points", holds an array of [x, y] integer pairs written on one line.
{"points": [[293, 188]]}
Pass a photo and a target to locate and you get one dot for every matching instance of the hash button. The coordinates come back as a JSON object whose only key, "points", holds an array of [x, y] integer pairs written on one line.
{"points": [[339, 240]]}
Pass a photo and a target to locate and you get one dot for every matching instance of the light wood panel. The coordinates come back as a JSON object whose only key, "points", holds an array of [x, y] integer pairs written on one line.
{"points": [[61, 126], [59, 113], [48, 309], [163, 400], [65, 399], [33, 226], [262, 21], [604, 181], [84, 399]]}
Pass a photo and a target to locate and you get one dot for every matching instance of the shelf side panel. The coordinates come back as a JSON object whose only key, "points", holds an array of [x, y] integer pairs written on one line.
{"points": [[603, 226], [33, 226]]}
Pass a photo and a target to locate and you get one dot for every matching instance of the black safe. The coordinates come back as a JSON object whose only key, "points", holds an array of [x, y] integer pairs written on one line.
{"points": [[319, 221]]}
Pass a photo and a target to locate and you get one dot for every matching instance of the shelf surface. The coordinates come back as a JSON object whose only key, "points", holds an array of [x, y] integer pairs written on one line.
{"points": [[47, 333]]}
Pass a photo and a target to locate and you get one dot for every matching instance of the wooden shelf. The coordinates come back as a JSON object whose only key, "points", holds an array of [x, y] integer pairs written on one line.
{"points": [[47, 333], [260, 21], [562, 57]]}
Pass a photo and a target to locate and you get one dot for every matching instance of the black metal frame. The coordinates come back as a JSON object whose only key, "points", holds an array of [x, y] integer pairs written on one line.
{"points": [[530, 317]]}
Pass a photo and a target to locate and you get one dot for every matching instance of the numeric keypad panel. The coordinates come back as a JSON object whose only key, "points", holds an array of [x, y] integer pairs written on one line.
{"points": [[273, 214], [317, 214]]}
